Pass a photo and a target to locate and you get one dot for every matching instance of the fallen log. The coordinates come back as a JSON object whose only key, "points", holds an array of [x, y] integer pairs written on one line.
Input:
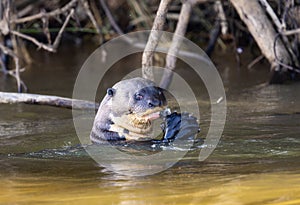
{"points": [[14, 98]]}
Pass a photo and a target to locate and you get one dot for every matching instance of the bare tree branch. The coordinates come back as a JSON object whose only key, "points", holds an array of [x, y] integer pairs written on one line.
{"points": [[280, 27], [59, 35], [41, 15], [46, 29], [147, 58], [91, 17], [221, 17], [180, 31], [33, 40]]}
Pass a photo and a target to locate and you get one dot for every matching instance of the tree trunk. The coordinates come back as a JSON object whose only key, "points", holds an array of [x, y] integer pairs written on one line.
{"points": [[262, 30]]}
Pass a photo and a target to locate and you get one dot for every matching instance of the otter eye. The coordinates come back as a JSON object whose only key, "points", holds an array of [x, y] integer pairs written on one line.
{"points": [[138, 96]]}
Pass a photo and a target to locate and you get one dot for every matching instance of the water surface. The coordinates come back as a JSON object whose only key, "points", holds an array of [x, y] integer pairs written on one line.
{"points": [[256, 161]]}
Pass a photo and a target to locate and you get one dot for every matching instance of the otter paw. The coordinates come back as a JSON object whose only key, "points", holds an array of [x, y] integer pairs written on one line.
{"points": [[179, 126]]}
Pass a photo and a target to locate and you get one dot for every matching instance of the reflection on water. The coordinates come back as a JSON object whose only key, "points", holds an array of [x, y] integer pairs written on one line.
{"points": [[256, 162]]}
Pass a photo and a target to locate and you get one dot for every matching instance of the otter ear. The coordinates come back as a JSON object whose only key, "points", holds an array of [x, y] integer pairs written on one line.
{"points": [[111, 92]]}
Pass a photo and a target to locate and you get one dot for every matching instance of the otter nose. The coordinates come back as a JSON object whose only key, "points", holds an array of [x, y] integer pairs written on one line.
{"points": [[153, 103]]}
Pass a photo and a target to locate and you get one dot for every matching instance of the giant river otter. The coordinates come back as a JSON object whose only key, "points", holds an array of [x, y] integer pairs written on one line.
{"points": [[128, 109]]}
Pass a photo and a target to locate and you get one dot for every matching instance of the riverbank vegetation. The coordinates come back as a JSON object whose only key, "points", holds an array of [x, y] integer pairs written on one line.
{"points": [[270, 28]]}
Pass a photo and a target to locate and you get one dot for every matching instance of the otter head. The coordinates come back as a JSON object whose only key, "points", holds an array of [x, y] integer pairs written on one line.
{"points": [[134, 103]]}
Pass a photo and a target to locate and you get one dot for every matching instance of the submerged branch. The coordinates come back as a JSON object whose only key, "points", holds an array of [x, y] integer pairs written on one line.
{"points": [[14, 98]]}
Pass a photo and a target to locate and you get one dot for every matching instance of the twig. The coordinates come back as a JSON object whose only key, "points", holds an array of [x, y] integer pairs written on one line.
{"points": [[33, 40], [16, 73], [25, 10], [279, 61], [147, 58], [92, 18], [176, 43], [288, 67], [111, 18], [59, 35], [213, 37], [42, 45], [96, 26], [96, 12], [3, 57], [4, 23], [14, 98], [46, 29], [8, 25], [20, 83], [41, 15], [291, 32], [140, 12], [17, 76], [272, 14], [255, 61], [221, 17], [7, 51]]}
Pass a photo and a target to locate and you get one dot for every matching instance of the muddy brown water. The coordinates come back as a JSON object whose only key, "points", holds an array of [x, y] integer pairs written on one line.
{"points": [[256, 161]]}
